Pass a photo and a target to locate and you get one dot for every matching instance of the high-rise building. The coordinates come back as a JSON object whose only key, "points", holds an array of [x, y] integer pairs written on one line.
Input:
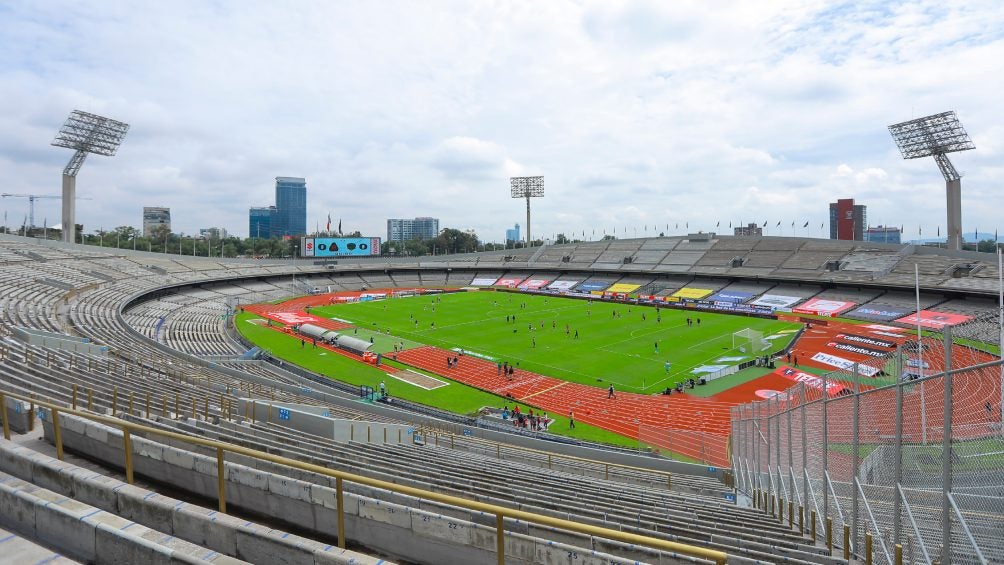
{"points": [[848, 220], [290, 207], [154, 217], [749, 230], [260, 221], [512, 235], [403, 229], [882, 234], [213, 233]]}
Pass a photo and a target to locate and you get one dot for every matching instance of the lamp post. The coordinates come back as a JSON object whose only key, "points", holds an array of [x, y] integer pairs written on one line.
{"points": [[85, 133], [936, 136], [527, 187]]}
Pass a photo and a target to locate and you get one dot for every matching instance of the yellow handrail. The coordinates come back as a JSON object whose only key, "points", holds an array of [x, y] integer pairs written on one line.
{"points": [[500, 512]]}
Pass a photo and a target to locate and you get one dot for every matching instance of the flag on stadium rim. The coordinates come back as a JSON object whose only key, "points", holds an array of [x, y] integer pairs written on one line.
{"points": [[806, 225], [339, 226], [719, 224], [793, 223], [778, 224], [765, 223], [327, 228]]}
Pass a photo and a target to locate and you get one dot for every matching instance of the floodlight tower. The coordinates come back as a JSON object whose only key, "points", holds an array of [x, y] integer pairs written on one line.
{"points": [[527, 187], [85, 133], [936, 136]]}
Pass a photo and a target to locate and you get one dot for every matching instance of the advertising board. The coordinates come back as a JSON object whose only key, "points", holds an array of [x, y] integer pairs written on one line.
{"points": [[339, 246], [534, 284], [508, 282], [623, 288], [934, 320], [775, 301], [562, 285], [730, 296], [876, 312], [824, 307], [692, 293]]}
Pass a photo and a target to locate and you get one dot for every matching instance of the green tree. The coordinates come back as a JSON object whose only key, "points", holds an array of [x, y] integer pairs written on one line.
{"points": [[452, 240], [987, 246]]}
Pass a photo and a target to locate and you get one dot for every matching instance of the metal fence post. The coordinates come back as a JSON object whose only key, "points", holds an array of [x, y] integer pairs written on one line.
{"points": [[791, 450], [856, 450], [57, 434], [897, 528], [221, 492], [340, 508], [500, 538], [127, 447], [805, 455], [826, 448], [777, 442], [3, 416], [757, 482], [946, 453]]}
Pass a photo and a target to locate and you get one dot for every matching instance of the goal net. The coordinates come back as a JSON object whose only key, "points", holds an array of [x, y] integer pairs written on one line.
{"points": [[749, 341]]}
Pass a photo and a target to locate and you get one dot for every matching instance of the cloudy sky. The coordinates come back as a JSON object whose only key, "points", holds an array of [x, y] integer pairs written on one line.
{"points": [[639, 114]]}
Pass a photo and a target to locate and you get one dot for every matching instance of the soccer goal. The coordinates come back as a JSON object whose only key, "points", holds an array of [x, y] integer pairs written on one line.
{"points": [[750, 341]]}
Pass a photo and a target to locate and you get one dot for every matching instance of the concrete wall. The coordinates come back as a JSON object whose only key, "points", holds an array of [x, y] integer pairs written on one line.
{"points": [[204, 527], [86, 533], [402, 526], [315, 421], [18, 414]]}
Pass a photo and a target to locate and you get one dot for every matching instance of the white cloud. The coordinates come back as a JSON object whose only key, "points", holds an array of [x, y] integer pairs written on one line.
{"points": [[638, 113]]}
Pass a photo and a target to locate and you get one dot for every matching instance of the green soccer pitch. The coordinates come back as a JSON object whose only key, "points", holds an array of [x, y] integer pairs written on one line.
{"points": [[621, 344]]}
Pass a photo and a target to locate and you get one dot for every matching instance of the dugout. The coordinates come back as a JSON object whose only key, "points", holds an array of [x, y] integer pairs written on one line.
{"points": [[353, 344], [318, 333]]}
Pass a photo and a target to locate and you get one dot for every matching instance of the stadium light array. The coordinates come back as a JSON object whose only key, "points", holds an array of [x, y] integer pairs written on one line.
{"points": [[84, 133], [936, 136], [527, 187]]}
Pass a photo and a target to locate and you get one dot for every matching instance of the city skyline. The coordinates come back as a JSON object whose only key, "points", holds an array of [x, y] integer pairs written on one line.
{"points": [[639, 114]]}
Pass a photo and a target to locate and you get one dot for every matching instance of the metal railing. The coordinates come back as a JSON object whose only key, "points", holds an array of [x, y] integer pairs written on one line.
{"points": [[909, 458], [222, 448]]}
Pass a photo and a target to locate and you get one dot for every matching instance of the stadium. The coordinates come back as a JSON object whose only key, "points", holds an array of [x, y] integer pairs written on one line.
{"points": [[771, 401]]}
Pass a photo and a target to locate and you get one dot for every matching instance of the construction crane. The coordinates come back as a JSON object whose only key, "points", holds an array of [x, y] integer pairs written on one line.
{"points": [[31, 203]]}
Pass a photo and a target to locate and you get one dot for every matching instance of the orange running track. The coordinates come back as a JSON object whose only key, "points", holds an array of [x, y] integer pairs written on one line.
{"points": [[692, 426]]}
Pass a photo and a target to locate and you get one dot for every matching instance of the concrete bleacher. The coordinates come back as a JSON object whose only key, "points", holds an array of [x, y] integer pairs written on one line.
{"points": [[17, 549], [870, 260], [95, 286], [91, 515], [549, 493], [685, 255]]}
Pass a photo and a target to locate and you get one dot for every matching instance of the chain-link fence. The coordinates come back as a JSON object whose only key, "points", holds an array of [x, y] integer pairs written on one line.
{"points": [[871, 457]]}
